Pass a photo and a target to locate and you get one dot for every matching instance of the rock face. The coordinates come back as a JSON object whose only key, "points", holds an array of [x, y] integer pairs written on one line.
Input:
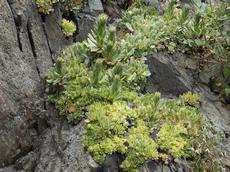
{"points": [[20, 86], [32, 135], [165, 77]]}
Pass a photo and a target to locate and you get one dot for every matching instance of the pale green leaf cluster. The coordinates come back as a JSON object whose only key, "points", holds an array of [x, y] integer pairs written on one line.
{"points": [[105, 130], [146, 128], [141, 147], [171, 139], [190, 99], [46, 6], [96, 70], [193, 29], [68, 27]]}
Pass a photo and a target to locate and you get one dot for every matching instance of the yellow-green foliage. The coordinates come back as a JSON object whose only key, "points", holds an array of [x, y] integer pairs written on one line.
{"points": [[193, 29], [171, 139], [72, 5], [68, 27], [96, 70], [46, 6], [190, 99], [179, 130], [106, 128], [141, 147], [101, 79]]}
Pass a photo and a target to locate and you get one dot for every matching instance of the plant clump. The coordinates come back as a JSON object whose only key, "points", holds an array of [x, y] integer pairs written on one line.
{"points": [[96, 70], [46, 6], [148, 129], [101, 78], [68, 27], [190, 99], [195, 29]]}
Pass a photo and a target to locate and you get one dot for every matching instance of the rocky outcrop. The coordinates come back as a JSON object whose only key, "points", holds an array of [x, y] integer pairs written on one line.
{"points": [[165, 77], [20, 87], [33, 137]]}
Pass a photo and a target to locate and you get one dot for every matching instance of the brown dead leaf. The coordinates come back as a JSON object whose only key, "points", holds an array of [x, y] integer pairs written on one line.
{"points": [[71, 109]]}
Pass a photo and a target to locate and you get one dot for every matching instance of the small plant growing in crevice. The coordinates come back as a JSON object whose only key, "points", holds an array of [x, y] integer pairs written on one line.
{"points": [[46, 6], [68, 27], [190, 99], [72, 5]]}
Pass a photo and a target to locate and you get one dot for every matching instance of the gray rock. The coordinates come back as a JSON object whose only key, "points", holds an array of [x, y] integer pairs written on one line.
{"points": [[32, 137], [157, 4], [209, 72], [95, 6], [151, 166], [8, 169], [85, 25], [156, 166], [112, 163], [62, 148], [54, 34], [26, 163], [94, 167], [165, 77], [19, 85]]}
